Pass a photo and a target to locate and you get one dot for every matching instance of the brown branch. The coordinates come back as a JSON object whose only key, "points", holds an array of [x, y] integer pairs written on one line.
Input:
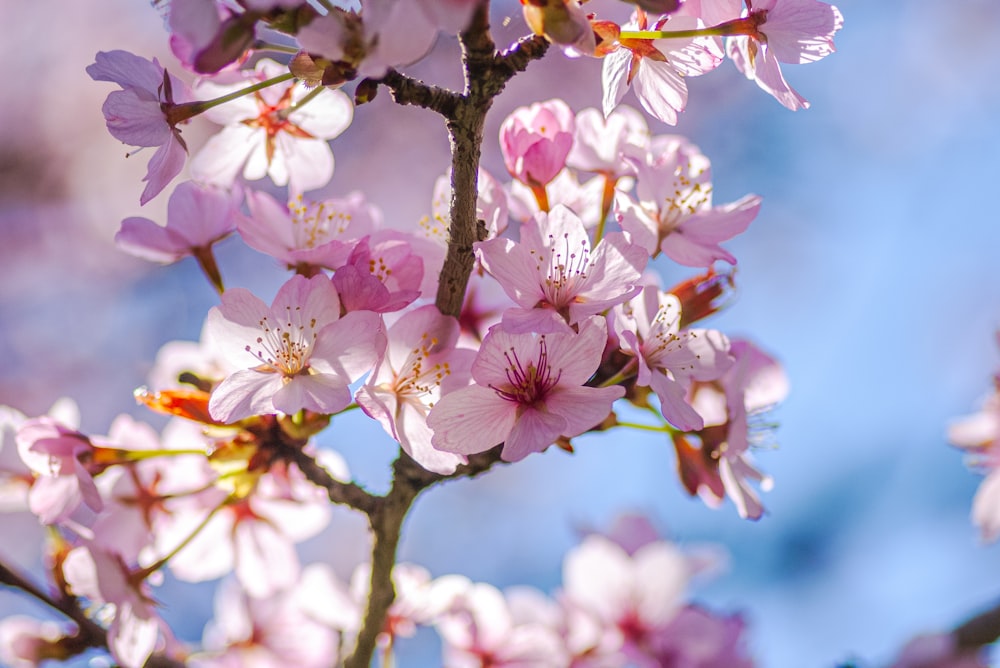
{"points": [[90, 634], [486, 74], [979, 631], [345, 493], [407, 90]]}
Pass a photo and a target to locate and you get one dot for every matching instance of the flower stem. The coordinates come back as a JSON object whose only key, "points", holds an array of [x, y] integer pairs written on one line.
{"points": [[206, 260], [541, 196], [160, 563], [626, 372], [182, 112], [276, 48], [744, 26], [607, 198], [646, 427]]}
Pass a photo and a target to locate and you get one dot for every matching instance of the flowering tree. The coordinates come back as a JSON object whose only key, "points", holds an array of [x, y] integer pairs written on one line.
{"points": [[517, 316]]}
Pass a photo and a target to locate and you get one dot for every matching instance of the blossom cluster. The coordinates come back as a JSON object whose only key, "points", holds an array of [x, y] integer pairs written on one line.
{"points": [[564, 325], [275, 133]]}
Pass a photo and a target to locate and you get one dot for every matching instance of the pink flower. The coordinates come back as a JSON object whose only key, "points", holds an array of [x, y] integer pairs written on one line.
{"points": [[252, 533], [26, 642], [754, 384], [554, 272], [535, 141], [62, 460], [307, 234], [668, 358], [144, 112], [263, 632], [656, 68], [636, 595], [305, 355], [197, 217], [392, 33], [382, 275], [979, 435], [784, 31], [420, 364], [529, 390], [600, 142], [265, 134], [699, 638], [487, 627], [674, 212], [103, 577]]}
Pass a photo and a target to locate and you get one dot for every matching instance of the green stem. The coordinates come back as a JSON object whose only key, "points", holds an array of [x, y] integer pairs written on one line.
{"points": [[607, 198], [276, 48], [157, 565], [646, 427], [311, 95], [182, 112], [745, 26], [139, 455], [626, 372]]}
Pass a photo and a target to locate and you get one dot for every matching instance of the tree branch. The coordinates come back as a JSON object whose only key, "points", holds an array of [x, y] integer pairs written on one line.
{"points": [[486, 74], [345, 493], [89, 633], [979, 631], [407, 90]]}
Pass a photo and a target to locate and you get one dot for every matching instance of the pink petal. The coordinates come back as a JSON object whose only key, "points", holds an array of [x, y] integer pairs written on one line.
{"points": [[166, 163], [244, 394], [534, 431], [321, 392], [471, 420]]}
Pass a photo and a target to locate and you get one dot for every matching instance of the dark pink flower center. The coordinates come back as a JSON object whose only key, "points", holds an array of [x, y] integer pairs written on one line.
{"points": [[528, 383]]}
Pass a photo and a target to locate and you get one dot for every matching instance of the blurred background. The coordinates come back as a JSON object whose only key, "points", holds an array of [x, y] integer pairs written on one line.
{"points": [[871, 273]]}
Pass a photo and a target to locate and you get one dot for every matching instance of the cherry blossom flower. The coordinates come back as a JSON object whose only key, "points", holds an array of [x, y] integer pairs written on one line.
{"points": [[979, 435], [388, 33], [267, 632], [103, 577], [487, 627], [553, 271], [784, 31], [269, 134], [668, 358], [380, 275], [145, 112], [655, 69], [600, 142], [63, 461], [535, 141], [583, 199], [421, 363], [197, 217], [253, 532], [637, 596], [674, 213], [306, 354], [754, 384], [26, 642], [307, 234], [139, 496], [529, 390], [701, 639]]}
